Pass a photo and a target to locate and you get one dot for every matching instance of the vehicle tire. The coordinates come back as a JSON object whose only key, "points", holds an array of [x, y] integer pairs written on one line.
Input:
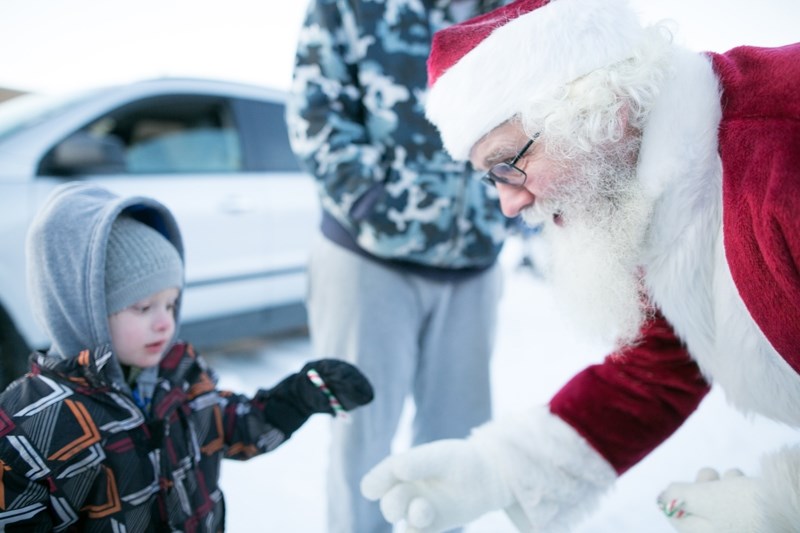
{"points": [[14, 352]]}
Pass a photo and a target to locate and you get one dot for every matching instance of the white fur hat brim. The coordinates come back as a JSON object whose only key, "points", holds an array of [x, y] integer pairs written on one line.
{"points": [[534, 50]]}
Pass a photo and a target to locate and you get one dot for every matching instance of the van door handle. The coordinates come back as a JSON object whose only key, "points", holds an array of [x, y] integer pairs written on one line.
{"points": [[236, 205]]}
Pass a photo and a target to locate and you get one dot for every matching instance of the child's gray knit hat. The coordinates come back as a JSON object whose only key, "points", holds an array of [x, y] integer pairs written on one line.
{"points": [[139, 262]]}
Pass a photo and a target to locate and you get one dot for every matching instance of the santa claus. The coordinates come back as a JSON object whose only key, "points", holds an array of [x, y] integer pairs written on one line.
{"points": [[668, 185]]}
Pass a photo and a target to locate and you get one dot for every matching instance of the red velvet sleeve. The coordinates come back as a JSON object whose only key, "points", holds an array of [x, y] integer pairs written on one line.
{"points": [[633, 401]]}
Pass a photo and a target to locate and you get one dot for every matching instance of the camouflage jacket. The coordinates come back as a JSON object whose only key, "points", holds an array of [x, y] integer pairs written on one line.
{"points": [[356, 120], [77, 454]]}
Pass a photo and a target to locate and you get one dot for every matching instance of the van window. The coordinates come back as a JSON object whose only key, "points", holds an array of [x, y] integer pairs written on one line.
{"points": [[172, 134], [267, 143]]}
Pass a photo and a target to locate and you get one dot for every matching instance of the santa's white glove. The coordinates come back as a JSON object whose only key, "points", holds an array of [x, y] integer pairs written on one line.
{"points": [[438, 486], [712, 504]]}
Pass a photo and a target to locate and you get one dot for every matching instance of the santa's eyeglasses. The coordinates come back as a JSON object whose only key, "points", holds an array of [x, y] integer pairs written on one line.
{"points": [[508, 172]]}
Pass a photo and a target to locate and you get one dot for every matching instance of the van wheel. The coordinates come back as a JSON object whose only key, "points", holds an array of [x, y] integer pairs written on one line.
{"points": [[13, 352]]}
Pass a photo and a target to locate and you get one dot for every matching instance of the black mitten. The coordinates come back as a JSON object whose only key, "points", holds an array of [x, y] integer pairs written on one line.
{"points": [[349, 386], [289, 404]]}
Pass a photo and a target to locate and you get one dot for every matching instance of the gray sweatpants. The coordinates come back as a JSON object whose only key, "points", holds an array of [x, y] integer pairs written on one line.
{"points": [[410, 335]]}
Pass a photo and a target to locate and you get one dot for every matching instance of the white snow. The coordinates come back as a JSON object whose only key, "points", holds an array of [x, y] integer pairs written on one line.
{"points": [[535, 354]]}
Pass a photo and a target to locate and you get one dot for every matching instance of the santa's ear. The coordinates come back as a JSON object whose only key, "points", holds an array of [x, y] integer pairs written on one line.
{"points": [[624, 115], [623, 119]]}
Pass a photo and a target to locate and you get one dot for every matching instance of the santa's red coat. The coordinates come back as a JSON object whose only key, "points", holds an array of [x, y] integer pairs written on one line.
{"points": [[636, 398]]}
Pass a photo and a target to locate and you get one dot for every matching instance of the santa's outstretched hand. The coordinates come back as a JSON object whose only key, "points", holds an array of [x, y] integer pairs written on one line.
{"points": [[438, 486], [712, 504]]}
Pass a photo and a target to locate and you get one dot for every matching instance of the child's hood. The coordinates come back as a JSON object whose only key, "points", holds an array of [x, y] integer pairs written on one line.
{"points": [[66, 255]]}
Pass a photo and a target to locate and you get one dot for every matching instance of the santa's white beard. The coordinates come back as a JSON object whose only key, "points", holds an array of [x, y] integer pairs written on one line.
{"points": [[596, 248]]}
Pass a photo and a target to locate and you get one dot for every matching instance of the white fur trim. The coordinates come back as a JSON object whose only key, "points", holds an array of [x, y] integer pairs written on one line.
{"points": [[525, 59], [779, 499], [556, 477]]}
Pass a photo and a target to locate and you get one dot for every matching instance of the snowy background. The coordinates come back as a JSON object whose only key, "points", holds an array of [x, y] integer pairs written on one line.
{"points": [[536, 353]]}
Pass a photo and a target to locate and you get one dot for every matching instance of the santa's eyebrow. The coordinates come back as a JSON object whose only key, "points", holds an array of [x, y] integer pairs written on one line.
{"points": [[500, 154]]}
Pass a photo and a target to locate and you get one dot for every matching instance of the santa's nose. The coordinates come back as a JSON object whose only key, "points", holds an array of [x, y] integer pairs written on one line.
{"points": [[514, 199]]}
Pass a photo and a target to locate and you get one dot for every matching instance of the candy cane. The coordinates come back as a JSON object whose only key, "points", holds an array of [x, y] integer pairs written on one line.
{"points": [[673, 509], [316, 379]]}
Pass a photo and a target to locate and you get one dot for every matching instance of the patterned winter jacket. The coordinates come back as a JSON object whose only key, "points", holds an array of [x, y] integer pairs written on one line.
{"points": [[77, 454], [356, 119]]}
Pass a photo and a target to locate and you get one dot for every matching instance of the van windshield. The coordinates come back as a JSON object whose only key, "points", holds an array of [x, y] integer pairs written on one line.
{"points": [[28, 110]]}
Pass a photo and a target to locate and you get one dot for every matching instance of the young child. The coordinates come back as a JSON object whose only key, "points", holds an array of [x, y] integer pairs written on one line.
{"points": [[119, 426]]}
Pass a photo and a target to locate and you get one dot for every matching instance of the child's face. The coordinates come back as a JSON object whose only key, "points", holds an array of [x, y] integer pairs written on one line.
{"points": [[141, 333]]}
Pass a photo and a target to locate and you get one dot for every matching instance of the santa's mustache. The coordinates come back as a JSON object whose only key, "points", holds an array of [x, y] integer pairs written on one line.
{"points": [[595, 225]]}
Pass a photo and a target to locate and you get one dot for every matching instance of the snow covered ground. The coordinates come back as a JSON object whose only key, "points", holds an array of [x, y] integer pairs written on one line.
{"points": [[535, 354]]}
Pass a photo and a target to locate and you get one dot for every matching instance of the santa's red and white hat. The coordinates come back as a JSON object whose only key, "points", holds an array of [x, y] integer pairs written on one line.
{"points": [[483, 71]]}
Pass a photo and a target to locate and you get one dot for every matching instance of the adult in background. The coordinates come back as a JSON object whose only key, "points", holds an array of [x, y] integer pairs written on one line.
{"points": [[404, 280], [668, 183]]}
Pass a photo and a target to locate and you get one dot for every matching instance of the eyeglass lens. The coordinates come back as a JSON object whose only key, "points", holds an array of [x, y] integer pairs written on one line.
{"points": [[508, 172]]}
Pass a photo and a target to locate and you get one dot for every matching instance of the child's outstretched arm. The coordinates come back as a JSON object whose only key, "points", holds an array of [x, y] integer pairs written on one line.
{"points": [[325, 386]]}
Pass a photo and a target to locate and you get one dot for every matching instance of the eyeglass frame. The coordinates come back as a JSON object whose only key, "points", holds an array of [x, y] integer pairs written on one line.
{"points": [[491, 179]]}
